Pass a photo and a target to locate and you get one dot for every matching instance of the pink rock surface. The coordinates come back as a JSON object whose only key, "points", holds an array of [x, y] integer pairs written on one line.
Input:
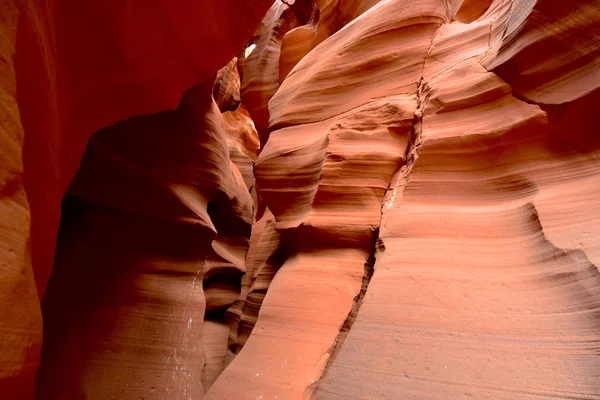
{"points": [[485, 281], [260, 70], [373, 199], [78, 67]]}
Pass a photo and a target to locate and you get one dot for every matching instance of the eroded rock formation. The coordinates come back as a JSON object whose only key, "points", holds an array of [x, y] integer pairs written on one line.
{"points": [[20, 316], [373, 199], [403, 127], [80, 67]]}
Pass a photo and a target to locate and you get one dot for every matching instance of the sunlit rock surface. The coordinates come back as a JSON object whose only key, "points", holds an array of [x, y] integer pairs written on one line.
{"points": [[378, 199], [462, 134]]}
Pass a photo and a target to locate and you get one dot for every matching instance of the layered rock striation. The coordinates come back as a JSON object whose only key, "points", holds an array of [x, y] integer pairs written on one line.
{"points": [[431, 137], [137, 237], [369, 199]]}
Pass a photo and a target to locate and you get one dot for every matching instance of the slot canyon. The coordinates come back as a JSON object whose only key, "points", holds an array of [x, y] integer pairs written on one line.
{"points": [[299, 199]]}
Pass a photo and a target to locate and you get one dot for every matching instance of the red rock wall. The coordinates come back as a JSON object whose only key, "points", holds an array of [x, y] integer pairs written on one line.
{"points": [[80, 67], [169, 230], [260, 70], [20, 316], [116, 60], [420, 222], [474, 182]]}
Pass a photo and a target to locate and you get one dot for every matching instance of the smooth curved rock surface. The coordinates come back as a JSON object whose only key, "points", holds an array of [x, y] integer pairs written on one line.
{"points": [[73, 81], [226, 89], [550, 51], [486, 281], [469, 295], [79, 67], [385, 199], [265, 256], [20, 316], [260, 70], [325, 191], [329, 16], [169, 231]]}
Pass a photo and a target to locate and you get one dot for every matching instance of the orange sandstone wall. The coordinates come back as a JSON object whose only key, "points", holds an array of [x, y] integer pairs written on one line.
{"points": [[74, 68], [385, 199], [454, 143], [20, 316]]}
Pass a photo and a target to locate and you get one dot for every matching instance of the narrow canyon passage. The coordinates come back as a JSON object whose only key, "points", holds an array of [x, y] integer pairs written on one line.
{"points": [[328, 199], [509, 315], [470, 296], [148, 220]]}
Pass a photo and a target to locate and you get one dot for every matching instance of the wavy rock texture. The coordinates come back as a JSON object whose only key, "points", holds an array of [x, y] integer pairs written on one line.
{"points": [[74, 81], [78, 68], [260, 70], [288, 32], [20, 317], [169, 231], [243, 142], [186, 218], [486, 281], [265, 256], [328, 17], [226, 89], [469, 296], [230, 289], [215, 335], [468, 10], [404, 204], [325, 192], [550, 51]]}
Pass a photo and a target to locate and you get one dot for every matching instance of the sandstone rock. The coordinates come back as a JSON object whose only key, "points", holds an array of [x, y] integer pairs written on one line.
{"points": [[163, 226], [243, 142], [469, 295], [329, 16], [226, 90], [384, 199], [325, 190], [550, 51], [265, 256], [74, 81], [20, 317], [261, 68], [80, 67], [486, 273], [214, 339]]}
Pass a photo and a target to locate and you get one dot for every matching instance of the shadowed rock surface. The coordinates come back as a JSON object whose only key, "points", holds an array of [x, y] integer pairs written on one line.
{"points": [[380, 199]]}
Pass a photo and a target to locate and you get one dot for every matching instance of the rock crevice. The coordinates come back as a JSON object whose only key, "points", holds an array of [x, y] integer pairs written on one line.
{"points": [[371, 198]]}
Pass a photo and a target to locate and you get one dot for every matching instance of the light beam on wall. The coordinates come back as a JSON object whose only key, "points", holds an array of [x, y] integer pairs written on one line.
{"points": [[250, 49]]}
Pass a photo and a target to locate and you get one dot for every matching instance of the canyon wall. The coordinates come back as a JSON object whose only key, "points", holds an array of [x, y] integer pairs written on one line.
{"points": [[431, 169], [20, 316], [121, 276], [350, 199]]}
